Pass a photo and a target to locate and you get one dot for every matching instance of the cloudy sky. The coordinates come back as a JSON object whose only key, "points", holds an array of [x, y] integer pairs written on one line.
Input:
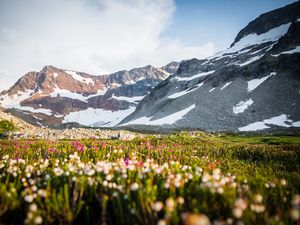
{"points": [[102, 36]]}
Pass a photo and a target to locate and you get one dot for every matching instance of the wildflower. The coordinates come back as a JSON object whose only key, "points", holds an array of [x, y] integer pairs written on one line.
{"points": [[33, 207], [127, 161], [295, 214], [170, 204], [29, 198], [157, 206], [180, 200], [257, 208], [240, 203], [237, 212], [58, 171], [38, 220], [296, 200], [258, 198], [283, 182], [42, 193], [195, 219], [161, 222], [134, 186]]}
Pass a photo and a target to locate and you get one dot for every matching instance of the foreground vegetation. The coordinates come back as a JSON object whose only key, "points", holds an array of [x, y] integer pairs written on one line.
{"points": [[6, 126], [177, 179]]}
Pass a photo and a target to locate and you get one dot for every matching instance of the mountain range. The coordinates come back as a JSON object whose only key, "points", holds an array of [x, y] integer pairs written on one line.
{"points": [[254, 85], [54, 96]]}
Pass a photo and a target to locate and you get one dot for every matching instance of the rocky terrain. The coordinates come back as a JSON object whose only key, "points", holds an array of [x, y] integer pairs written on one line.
{"points": [[56, 97], [252, 86], [28, 131], [73, 133], [21, 125]]}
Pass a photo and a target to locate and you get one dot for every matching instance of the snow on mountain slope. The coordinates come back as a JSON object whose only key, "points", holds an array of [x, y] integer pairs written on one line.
{"points": [[170, 119], [98, 117], [55, 96], [237, 89]]}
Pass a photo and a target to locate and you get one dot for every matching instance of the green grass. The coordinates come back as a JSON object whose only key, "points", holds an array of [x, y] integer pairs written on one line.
{"points": [[272, 140], [6, 126], [151, 180]]}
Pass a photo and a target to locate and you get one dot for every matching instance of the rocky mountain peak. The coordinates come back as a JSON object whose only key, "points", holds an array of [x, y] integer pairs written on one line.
{"points": [[54, 96], [251, 86], [270, 20]]}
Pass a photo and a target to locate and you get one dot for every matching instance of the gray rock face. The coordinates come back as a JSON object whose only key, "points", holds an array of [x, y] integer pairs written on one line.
{"points": [[53, 96], [252, 86]]}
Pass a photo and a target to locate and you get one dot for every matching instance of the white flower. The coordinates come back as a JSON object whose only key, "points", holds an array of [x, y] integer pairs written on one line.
{"points": [[170, 204], [283, 182], [161, 222], [237, 212], [33, 207], [258, 198], [295, 214], [157, 206], [38, 220], [296, 200], [134, 186], [58, 171], [42, 193], [29, 198], [180, 200]]}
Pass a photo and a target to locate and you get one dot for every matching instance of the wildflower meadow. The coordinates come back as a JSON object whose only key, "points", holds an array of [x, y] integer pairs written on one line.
{"points": [[174, 179]]}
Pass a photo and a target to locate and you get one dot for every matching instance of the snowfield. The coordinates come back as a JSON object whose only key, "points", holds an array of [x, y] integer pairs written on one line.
{"points": [[80, 78], [91, 116], [282, 121], [253, 84], [242, 106], [170, 119]]}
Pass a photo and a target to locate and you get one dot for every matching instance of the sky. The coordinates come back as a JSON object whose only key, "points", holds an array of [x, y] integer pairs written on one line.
{"points": [[104, 36]]}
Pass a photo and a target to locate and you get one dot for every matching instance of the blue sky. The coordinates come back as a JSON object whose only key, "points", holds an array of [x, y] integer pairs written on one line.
{"points": [[199, 21], [104, 36]]}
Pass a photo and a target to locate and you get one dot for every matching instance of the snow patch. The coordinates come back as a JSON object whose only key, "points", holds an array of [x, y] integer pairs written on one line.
{"points": [[115, 85], [170, 119], [251, 60], [14, 101], [212, 89], [281, 121], [194, 76], [181, 93], [80, 78], [67, 94], [133, 81], [242, 106], [73, 95], [295, 50], [252, 84], [225, 85], [100, 117], [128, 99], [254, 39]]}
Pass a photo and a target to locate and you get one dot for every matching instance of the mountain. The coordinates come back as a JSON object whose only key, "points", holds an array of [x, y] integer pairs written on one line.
{"points": [[252, 86], [56, 97]]}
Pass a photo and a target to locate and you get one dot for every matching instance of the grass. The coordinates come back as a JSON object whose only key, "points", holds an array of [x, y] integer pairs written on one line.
{"points": [[176, 179], [272, 140], [6, 126]]}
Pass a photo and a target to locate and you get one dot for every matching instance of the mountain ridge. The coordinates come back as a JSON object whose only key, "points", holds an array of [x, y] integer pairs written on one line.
{"points": [[53, 94], [251, 86]]}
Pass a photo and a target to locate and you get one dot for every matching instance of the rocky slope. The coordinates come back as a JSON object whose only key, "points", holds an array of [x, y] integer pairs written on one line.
{"points": [[54, 96], [254, 85], [19, 124]]}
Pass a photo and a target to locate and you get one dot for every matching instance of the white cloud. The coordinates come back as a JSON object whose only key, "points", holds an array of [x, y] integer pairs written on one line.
{"points": [[87, 35]]}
